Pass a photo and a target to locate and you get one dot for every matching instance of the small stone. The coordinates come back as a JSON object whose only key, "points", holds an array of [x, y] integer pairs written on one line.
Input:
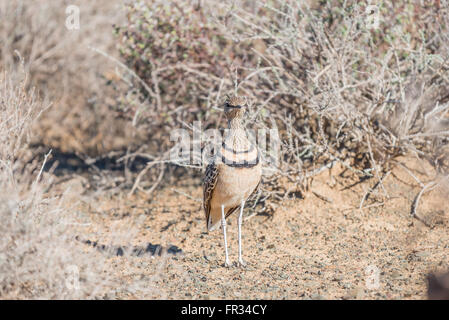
{"points": [[422, 254], [356, 293], [283, 276], [337, 278], [311, 284], [347, 285]]}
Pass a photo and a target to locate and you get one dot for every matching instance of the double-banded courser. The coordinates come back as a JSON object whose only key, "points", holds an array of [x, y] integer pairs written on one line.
{"points": [[232, 175]]}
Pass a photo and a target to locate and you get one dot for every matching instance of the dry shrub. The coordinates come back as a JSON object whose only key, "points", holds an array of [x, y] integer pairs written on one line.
{"points": [[30, 228], [337, 90], [39, 256], [65, 69], [19, 110], [176, 52]]}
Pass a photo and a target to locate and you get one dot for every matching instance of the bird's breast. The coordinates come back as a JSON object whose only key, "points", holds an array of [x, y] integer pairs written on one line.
{"points": [[236, 184]]}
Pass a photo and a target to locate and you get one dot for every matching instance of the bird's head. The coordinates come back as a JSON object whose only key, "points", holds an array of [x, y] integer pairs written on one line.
{"points": [[235, 107]]}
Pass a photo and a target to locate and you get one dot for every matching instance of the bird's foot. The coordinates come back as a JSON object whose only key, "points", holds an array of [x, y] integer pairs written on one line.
{"points": [[227, 263], [241, 263]]}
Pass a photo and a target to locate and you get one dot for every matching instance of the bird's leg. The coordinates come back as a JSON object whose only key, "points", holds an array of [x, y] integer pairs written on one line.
{"points": [[239, 224], [223, 226]]}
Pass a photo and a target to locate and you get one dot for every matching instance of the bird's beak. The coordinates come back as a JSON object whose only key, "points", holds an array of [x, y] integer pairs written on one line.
{"points": [[233, 107]]}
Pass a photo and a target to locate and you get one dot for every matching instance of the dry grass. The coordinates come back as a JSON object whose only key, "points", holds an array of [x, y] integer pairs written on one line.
{"points": [[66, 70], [39, 256], [41, 62]]}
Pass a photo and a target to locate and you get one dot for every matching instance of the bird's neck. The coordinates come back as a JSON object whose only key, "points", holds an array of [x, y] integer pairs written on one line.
{"points": [[236, 137], [236, 124]]}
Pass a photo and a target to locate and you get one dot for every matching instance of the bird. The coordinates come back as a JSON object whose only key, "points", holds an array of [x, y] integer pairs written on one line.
{"points": [[233, 175]]}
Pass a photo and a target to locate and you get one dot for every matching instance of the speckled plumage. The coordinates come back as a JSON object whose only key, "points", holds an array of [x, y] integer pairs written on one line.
{"points": [[234, 175]]}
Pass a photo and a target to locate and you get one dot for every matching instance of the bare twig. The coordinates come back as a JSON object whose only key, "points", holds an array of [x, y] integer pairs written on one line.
{"points": [[428, 187]]}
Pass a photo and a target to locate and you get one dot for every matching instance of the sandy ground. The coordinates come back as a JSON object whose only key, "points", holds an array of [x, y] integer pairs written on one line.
{"points": [[320, 247]]}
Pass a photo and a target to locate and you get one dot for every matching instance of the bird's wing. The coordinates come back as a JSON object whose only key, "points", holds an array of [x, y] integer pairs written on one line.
{"points": [[256, 190], [210, 180]]}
